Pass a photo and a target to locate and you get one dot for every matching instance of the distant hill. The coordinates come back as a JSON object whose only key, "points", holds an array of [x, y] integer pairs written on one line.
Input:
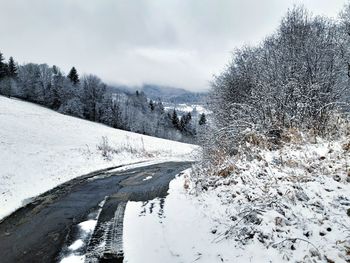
{"points": [[172, 95], [120, 89], [164, 93]]}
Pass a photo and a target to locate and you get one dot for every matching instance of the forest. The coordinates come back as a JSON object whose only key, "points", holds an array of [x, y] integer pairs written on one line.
{"points": [[91, 99]]}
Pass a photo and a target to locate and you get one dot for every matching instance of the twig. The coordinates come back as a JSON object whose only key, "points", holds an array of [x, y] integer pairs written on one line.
{"points": [[224, 234], [293, 240]]}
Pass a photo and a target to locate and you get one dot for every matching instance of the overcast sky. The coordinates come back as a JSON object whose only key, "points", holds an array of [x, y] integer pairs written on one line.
{"points": [[168, 42]]}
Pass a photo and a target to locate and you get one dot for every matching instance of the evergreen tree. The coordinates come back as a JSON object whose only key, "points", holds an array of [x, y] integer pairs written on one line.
{"points": [[182, 124], [12, 68], [175, 120], [151, 105], [73, 76], [202, 119], [3, 67]]}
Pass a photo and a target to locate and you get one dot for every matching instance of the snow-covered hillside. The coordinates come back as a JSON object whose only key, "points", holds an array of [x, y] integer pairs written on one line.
{"points": [[285, 205], [40, 149]]}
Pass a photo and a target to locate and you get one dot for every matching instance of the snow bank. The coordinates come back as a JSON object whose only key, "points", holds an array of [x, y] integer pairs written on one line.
{"points": [[181, 228], [176, 230], [40, 149], [290, 204]]}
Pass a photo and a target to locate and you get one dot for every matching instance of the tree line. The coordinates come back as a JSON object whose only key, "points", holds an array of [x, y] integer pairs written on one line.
{"points": [[89, 98]]}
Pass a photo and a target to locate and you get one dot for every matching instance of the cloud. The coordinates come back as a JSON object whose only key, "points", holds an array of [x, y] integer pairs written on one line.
{"points": [[170, 42]]}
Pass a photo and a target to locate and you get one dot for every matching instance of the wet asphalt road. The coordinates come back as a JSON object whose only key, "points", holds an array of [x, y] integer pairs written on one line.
{"points": [[37, 232]]}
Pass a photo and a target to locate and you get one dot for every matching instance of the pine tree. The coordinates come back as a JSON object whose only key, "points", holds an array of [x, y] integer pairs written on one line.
{"points": [[175, 119], [151, 105], [202, 119], [73, 76], [3, 67], [12, 68], [182, 123]]}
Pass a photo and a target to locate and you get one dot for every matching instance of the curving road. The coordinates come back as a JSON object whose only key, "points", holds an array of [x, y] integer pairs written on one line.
{"points": [[38, 231]]}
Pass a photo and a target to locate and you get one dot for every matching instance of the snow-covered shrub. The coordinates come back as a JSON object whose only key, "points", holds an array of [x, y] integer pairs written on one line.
{"points": [[275, 171], [296, 78], [105, 148], [292, 200], [130, 145]]}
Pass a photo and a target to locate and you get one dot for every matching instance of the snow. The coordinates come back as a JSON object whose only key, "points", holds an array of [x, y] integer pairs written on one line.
{"points": [[179, 232], [76, 245], [73, 259], [76, 250], [40, 149], [288, 204], [182, 107], [73, 254], [168, 235], [88, 226], [147, 178]]}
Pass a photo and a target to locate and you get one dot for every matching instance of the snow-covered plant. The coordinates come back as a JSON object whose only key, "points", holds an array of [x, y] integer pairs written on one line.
{"points": [[296, 78], [291, 201], [106, 150]]}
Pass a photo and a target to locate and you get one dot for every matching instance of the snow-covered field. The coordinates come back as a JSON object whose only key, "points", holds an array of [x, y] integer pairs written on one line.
{"points": [[290, 204], [40, 149], [186, 108]]}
